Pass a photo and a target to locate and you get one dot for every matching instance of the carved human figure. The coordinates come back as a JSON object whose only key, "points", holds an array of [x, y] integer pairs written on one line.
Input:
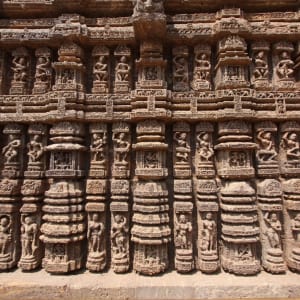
{"points": [[122, 69], [150, 159], [284, 67], [11, 150], [266, 150], [100, 69], [43, 69], [20, 68], [295, 225], [274, 229], [244, 252], [35, 149], [97, 147], [183, 149], [209, 233], [205, 148], [202, 66], [290, 143], [237, 159], [121, 148], [180, 69], [260, 66], [182, 229], [29, 230], [5, 233], [118, 234], [95, 233]]}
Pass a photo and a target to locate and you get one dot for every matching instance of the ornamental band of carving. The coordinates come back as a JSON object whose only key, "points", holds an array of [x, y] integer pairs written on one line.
{"points": [[150, 142]]}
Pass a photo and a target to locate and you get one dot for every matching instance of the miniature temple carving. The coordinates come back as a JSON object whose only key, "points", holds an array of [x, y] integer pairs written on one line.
{"points": [[161, 137]]}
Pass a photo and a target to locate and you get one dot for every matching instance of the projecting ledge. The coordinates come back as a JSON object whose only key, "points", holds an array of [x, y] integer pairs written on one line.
{"points": [[170, 286]]}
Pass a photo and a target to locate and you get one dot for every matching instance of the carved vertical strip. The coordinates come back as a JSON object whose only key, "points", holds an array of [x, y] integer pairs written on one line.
{"points": [[269, 196], [63, 230], [122, 83], [240, 229], [96, 191], [2, 71], [207, 199], [180, 69], [33, 189], [120, 193], [183, 197], [10, 189], [150, 232], [289, 156]]}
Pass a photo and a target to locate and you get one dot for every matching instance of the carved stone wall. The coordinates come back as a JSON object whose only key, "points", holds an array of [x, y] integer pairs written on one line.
{"points": [[152, 141]]}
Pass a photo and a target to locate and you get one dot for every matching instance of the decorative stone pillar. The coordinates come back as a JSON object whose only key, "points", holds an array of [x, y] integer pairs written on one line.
{"points": [[150, 232], [183, 198], [10, 189], [289, 157], [20, 69], [240, 229], [63, 230], [33, 189], [269, 196], [120, 193], [207, 200], [96, 190]]}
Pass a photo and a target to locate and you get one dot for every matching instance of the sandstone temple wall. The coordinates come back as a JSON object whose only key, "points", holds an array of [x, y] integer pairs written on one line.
{"points": [[150, 140]]}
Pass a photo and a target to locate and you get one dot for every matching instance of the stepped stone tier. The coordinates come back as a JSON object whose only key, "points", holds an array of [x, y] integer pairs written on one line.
{"points": [[150, 136]]}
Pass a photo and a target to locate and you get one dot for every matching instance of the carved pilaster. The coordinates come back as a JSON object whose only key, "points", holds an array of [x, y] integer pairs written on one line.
{"points": [[240, 229], [96, 190], [183, 198], [120, 193], [207, 199], [150, 232], [63, 230], [10, 189], [33, 189]]}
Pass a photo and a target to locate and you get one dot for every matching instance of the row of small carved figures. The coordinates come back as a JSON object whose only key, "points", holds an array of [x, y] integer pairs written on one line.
{"points": [[284, 69]]}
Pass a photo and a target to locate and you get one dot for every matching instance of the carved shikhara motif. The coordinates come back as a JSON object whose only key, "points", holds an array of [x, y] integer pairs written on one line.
{"points": [[149, 142]]}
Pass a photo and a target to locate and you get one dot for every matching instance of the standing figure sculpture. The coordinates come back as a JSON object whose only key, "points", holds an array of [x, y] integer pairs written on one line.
{"points": [[121, 147], [29, 230], [202, 67], [97, 147], [182, 229], [209, 233], [95, 233], [118, 234], [5, 233], [180, 69], [274, 229], [43, 69], [261, 66]]}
